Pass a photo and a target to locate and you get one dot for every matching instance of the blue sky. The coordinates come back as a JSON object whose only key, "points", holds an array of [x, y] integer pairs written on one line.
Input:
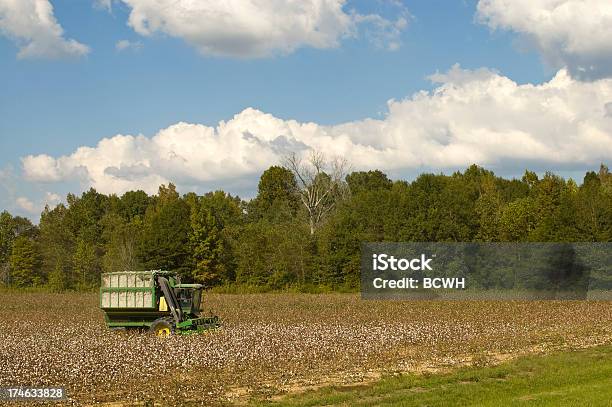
{"points": [[52, 105]]}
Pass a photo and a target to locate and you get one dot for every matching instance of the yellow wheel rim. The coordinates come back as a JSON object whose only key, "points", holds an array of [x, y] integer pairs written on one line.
{"points": [[162, 331]]}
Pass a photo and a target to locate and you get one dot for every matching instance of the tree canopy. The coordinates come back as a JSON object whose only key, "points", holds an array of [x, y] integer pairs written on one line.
{"points": [[303, 229]]}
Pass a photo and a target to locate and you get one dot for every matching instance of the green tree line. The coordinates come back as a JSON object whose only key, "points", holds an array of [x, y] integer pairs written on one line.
{"points": [[302, 230]]}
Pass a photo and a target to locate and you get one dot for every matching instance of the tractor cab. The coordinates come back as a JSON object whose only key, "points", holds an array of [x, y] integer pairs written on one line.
{"points": [[189, 297]]}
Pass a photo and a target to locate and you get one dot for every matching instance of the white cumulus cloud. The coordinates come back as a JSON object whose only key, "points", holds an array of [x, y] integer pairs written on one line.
{"points": [[124, 45], [470, 117], [51, 198], [569, 33], [25, 204], [44, 168], [35, 208], [32, 25], [258, 28]]}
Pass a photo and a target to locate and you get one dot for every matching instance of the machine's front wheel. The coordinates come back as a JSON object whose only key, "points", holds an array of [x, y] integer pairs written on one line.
{"points": [[162, 328]]}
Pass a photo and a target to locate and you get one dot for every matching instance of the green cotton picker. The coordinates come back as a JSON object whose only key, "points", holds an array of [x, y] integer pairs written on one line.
{"points": [[154, 300]]}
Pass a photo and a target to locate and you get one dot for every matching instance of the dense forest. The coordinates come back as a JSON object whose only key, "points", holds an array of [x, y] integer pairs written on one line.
{"points": [[303, 230]]}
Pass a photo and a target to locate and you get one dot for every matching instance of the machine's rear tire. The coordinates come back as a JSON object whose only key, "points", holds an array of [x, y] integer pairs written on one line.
{"points": [[162, 327]]}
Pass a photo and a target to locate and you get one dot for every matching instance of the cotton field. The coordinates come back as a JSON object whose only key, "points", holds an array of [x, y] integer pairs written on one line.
{"points": [[271, 344]]}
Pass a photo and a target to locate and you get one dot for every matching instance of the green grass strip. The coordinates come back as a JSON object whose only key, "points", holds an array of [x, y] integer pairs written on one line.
{"points": [[573, 378]]}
